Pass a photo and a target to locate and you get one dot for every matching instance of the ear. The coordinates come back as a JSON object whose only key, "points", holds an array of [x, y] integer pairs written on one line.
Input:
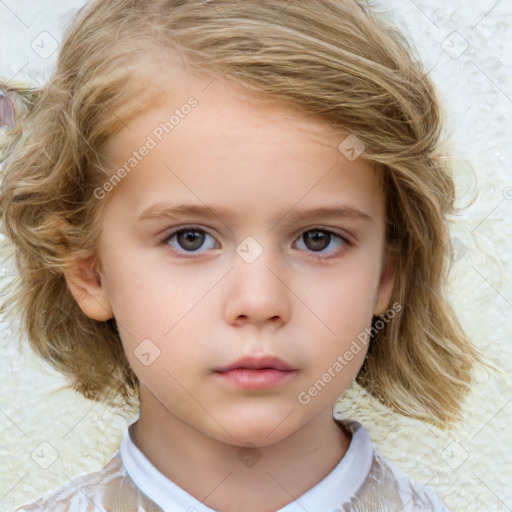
{"points": [[386, 284], [84, 283]]}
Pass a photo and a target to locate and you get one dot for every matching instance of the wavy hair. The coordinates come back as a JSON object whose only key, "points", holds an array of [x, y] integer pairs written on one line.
{"points": [[343, 61]]}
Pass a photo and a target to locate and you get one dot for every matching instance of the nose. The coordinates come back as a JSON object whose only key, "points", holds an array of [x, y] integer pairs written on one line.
{"points": [[257, 291]]}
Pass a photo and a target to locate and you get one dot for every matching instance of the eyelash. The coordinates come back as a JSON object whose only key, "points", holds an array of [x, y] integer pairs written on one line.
{"points": [[190, 254]]}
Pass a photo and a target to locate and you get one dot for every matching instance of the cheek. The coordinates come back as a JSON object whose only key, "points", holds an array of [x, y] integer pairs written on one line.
{"points": [[136, 303], [150, 302], [344, 298]]}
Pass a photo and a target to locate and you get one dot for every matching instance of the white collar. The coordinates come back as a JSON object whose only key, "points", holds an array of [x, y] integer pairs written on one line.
{"points": [[339, 486]]}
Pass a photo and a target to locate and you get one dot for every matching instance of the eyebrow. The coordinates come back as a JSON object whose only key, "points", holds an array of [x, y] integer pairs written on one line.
{"points": [[166, 210]]}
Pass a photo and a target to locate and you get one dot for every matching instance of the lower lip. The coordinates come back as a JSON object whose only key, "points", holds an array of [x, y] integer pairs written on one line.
{"points": [[257, 379]]}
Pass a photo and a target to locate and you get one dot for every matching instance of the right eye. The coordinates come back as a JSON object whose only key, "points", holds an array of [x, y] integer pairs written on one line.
{"points": [[189, 240]]}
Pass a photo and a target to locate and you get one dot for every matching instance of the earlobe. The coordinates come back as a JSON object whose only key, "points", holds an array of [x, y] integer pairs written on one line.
{"points": [[385, 290], [85, 285]]}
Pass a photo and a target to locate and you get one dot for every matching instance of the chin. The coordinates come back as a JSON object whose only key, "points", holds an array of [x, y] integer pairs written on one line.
{"points": [[259, 431]]}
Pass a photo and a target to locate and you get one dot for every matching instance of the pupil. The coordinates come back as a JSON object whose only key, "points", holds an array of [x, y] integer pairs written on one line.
{"points": [[191, 240], [318, 240]]}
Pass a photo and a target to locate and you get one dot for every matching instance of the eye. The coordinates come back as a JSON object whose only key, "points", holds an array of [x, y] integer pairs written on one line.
{"points": [[317, 240], [189, 240]]}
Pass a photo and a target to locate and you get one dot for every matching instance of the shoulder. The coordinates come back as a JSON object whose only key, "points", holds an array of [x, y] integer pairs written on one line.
{"points": [[386, 487], [392, 486], [110, 489]]}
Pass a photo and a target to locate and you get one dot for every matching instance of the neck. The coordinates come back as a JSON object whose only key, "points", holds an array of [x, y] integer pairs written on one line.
{"points": [[230, 478]]}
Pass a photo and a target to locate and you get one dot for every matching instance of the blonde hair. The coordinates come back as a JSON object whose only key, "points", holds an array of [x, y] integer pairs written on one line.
{"points": [[340, 60]]}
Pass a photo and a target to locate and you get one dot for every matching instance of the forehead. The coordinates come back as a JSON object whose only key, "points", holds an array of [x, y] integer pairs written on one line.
{"points": [[225, 100], [232, 142]]}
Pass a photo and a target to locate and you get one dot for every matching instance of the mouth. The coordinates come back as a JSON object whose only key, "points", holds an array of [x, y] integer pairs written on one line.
{"points": [[257, 363], [257, 373]]}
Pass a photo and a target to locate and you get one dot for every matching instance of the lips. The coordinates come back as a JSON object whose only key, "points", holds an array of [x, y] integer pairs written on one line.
{"points": [[257, 363], [256, 373]]}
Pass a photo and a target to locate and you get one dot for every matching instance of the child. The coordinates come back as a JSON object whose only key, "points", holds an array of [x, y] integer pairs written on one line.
{"points": [[300, 143]]}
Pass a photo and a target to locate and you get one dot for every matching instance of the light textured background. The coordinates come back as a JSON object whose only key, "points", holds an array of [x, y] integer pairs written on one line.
{"points": [[470, 466]]}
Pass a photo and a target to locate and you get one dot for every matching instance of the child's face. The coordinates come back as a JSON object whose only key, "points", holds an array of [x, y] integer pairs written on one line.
{"points": [[245, 281]]}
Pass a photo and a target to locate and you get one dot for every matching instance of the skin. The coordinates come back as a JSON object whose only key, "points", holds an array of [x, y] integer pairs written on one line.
{"points": [[207, 309]]}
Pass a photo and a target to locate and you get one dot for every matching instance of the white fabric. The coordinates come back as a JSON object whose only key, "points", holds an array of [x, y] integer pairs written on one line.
{"points": [[361, 481]]}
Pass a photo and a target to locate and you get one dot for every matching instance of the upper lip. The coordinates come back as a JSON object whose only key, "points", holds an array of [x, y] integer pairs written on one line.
{"points": [[257, 363]]}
